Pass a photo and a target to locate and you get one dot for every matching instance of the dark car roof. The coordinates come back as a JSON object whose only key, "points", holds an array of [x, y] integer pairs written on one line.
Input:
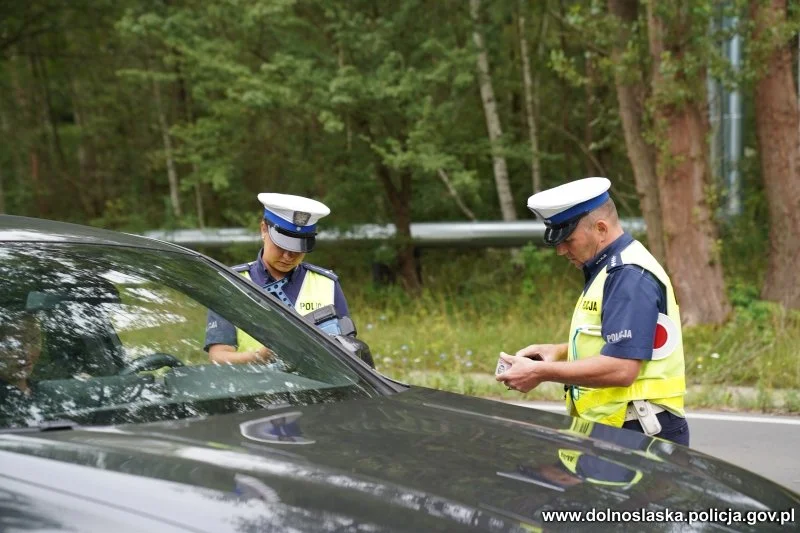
{"points": [[25, 229]]}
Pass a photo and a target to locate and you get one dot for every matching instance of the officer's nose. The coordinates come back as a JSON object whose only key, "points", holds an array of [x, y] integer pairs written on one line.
{"points": [[288, 254], [561, 249]]}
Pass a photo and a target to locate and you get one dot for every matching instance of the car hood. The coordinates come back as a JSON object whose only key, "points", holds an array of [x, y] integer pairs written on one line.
{"points": [[415, 461]]}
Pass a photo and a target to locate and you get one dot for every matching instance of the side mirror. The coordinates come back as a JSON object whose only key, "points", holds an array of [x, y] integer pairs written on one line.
{"points": [[357, 348]]}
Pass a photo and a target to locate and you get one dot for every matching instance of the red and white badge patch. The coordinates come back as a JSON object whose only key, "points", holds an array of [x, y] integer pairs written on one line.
{"points": [[666, 338]]}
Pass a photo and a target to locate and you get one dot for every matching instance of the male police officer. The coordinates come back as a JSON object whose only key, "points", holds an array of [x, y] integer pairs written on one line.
{"points": [[288, 230], [624, 356]]}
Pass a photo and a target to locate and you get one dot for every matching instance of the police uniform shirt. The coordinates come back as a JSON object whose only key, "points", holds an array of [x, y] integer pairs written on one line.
{"points": [[220, 331], [632, 299], [593, 468]]}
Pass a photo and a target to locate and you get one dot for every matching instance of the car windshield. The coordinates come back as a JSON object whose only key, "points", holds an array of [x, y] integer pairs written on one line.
{"points": [[110, 335]]}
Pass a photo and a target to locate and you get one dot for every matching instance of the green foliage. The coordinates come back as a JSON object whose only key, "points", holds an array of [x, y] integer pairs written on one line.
{"points": [[756, 347], [792, 402], [567, 68], [535, 266], [749, 308]]}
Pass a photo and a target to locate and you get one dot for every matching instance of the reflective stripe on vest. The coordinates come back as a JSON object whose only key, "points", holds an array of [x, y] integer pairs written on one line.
{"points": [[317, 291], [660, 380]]}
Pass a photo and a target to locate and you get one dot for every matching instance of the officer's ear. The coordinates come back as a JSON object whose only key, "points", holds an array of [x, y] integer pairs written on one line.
{"points": [[263, 228], [602, 227]]}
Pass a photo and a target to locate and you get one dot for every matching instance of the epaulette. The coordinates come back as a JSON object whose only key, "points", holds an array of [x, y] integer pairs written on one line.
{"points": [[244, 267], [323, 271]]}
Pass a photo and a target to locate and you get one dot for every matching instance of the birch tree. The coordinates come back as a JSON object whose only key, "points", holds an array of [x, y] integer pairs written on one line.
{"points": [[531, 94], [492, 117], [172, 174]]}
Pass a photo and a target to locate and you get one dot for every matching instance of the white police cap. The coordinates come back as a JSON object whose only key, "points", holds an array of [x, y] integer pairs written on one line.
{"points": [[292, 220], [563, 207]]}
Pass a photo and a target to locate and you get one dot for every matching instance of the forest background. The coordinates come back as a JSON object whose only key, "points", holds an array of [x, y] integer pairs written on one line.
{"points": [[145, 114]]}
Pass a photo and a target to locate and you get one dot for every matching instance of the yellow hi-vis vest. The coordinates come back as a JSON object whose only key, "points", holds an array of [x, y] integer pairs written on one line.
{"points": [[661, 380], [317, 291]]}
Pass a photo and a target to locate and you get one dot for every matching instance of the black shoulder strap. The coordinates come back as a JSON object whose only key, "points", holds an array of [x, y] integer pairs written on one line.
{"points": [[322, 271]]}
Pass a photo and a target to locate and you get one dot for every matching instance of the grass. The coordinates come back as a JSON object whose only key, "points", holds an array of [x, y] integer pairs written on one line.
{"points": [[177, 325]]}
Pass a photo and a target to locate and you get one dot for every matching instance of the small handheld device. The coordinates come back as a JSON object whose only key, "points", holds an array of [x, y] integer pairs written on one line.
{"points": [[327, 319], [342, 330], [502, 366]]}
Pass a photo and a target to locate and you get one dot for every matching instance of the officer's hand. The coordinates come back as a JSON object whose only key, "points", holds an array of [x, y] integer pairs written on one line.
{"points": [[542, 352], [523, 375], [263, 355]]}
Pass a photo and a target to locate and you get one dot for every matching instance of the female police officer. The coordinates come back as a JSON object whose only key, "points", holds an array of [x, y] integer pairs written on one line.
{"points": [[288, 230]]}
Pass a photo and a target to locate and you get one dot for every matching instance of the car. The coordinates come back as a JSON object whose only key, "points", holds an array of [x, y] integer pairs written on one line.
{"points": [[113, 419]]}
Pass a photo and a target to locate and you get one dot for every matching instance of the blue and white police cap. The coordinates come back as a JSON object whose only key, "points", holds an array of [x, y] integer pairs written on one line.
{"points": [[562, 207], [292, 220]]}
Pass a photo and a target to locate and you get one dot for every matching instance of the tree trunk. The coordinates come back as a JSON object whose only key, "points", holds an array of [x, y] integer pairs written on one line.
{"points": [[25, 102], [2, 192], [87, 186], [530, 108], [172, 174], [492, 119], [48, 117], [777, 124], [690, 234], [630, 95], [186, 103], [588, 120], [564, 30], [17, 148], [456, 197], [41, 205], [400, 203], [58, 164], [198, 203], [6, 132]]}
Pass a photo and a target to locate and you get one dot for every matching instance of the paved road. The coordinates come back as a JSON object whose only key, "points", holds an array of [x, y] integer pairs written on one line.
{"points": [[765, 444]]}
